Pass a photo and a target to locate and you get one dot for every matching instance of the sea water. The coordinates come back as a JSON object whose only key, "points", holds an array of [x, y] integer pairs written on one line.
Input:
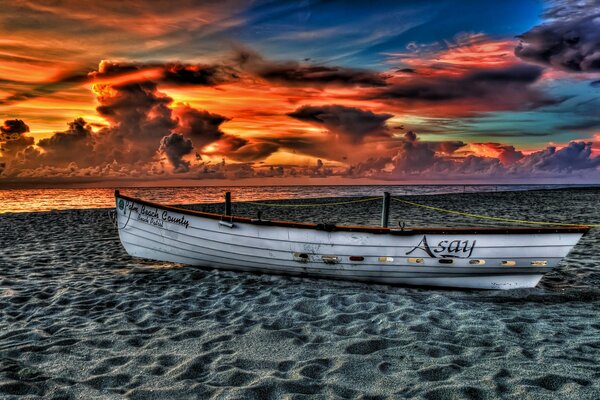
{"points": [[28, 200]]}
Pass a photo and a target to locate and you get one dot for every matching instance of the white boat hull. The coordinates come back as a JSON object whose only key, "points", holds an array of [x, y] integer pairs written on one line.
{"points": [[423, 258]]}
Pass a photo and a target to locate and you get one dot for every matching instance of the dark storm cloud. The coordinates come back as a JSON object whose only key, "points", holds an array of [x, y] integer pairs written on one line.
{"points": [[78, 131], [76, 144], [141, 126], [306, 75], [408, 156], [175, 147], [414, 156], [314, 146], [509, 85], [350, 122], [139, 117], [11, 147], [201, 126], [210, 75], [293, 73], [372, 166], [12, 129], [246, 62], [253, 151], [131, 103], [173, 73], [230, 143], [569, 39], [13, 139]]}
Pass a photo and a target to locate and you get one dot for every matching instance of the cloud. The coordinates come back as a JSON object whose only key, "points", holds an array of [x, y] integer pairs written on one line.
{"points": [[585, 122], [142, 125], [204, 75], [493, 88], [253, 151], [139, 117], [413, 159], [576, 156], [297, 74], [175, 146], [12, 129], [148, 135], [245, 64], [13, 139], [228, 144], [408, 157], [351, 123], [478, 167], [317, 146], [200, 125], [455, 57], [169, 73], [76, 144], [568, 40], [35, 90], [506, 154], [371, 167], [414, 156]]}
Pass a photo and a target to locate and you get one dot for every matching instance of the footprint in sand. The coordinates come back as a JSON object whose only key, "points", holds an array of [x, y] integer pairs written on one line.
{"points": [[440, 373], [369, 346], [555, 382]]}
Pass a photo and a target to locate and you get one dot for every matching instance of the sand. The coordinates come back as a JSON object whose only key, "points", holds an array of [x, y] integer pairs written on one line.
{"points": [[79, 318]]}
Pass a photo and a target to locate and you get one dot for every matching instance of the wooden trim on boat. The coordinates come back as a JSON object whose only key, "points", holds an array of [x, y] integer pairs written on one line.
{"points": [[367, 229]]}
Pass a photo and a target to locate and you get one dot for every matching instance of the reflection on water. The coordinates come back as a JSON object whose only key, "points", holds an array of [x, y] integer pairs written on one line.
{"points": [[26, 200]]}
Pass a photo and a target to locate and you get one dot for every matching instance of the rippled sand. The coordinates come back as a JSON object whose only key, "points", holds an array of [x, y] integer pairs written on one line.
{"points": [[79, 318]]}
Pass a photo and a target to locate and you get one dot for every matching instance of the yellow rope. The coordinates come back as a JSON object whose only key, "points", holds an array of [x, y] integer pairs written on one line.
{"points": [[412, 203], [521, 221], [339, 203]]}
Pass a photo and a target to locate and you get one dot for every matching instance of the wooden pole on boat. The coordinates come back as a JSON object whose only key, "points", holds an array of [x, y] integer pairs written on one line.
{"points": [[385, 211], [227, 203]]}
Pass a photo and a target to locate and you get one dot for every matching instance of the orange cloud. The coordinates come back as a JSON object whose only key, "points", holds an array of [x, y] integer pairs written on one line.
{"points": [[466, 53], [507, 154]]}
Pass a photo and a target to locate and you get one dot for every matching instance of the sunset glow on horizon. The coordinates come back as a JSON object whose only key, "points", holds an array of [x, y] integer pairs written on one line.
{"points": [[285, 92]]}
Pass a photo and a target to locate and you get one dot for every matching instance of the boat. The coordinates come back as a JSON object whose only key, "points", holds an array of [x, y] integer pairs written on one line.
{"points": [[475, 258]]}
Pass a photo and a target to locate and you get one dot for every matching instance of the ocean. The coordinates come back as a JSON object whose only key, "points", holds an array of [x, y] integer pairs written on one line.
{"points": [[28, 200], [80, 318]]}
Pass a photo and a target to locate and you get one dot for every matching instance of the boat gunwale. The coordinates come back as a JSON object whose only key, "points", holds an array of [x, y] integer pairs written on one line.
{"points": [[349, 228]]}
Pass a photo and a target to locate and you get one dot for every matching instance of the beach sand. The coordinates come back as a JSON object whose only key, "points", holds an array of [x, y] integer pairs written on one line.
{"points": [[79, 318]]}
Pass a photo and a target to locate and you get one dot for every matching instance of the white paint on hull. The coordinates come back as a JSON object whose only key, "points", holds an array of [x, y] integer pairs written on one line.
{"points": [[166, 235]]}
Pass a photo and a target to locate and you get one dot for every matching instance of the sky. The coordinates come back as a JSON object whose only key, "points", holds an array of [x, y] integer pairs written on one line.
{"points": [[296, 92]]}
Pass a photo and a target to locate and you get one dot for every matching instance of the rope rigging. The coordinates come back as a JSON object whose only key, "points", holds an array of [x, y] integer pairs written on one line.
{"points": [[339, 203], [425, 206], [479, 216]]}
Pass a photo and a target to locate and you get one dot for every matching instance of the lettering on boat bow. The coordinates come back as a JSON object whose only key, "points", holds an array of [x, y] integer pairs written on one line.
{"points": [[445, 248], [153, 216]]}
